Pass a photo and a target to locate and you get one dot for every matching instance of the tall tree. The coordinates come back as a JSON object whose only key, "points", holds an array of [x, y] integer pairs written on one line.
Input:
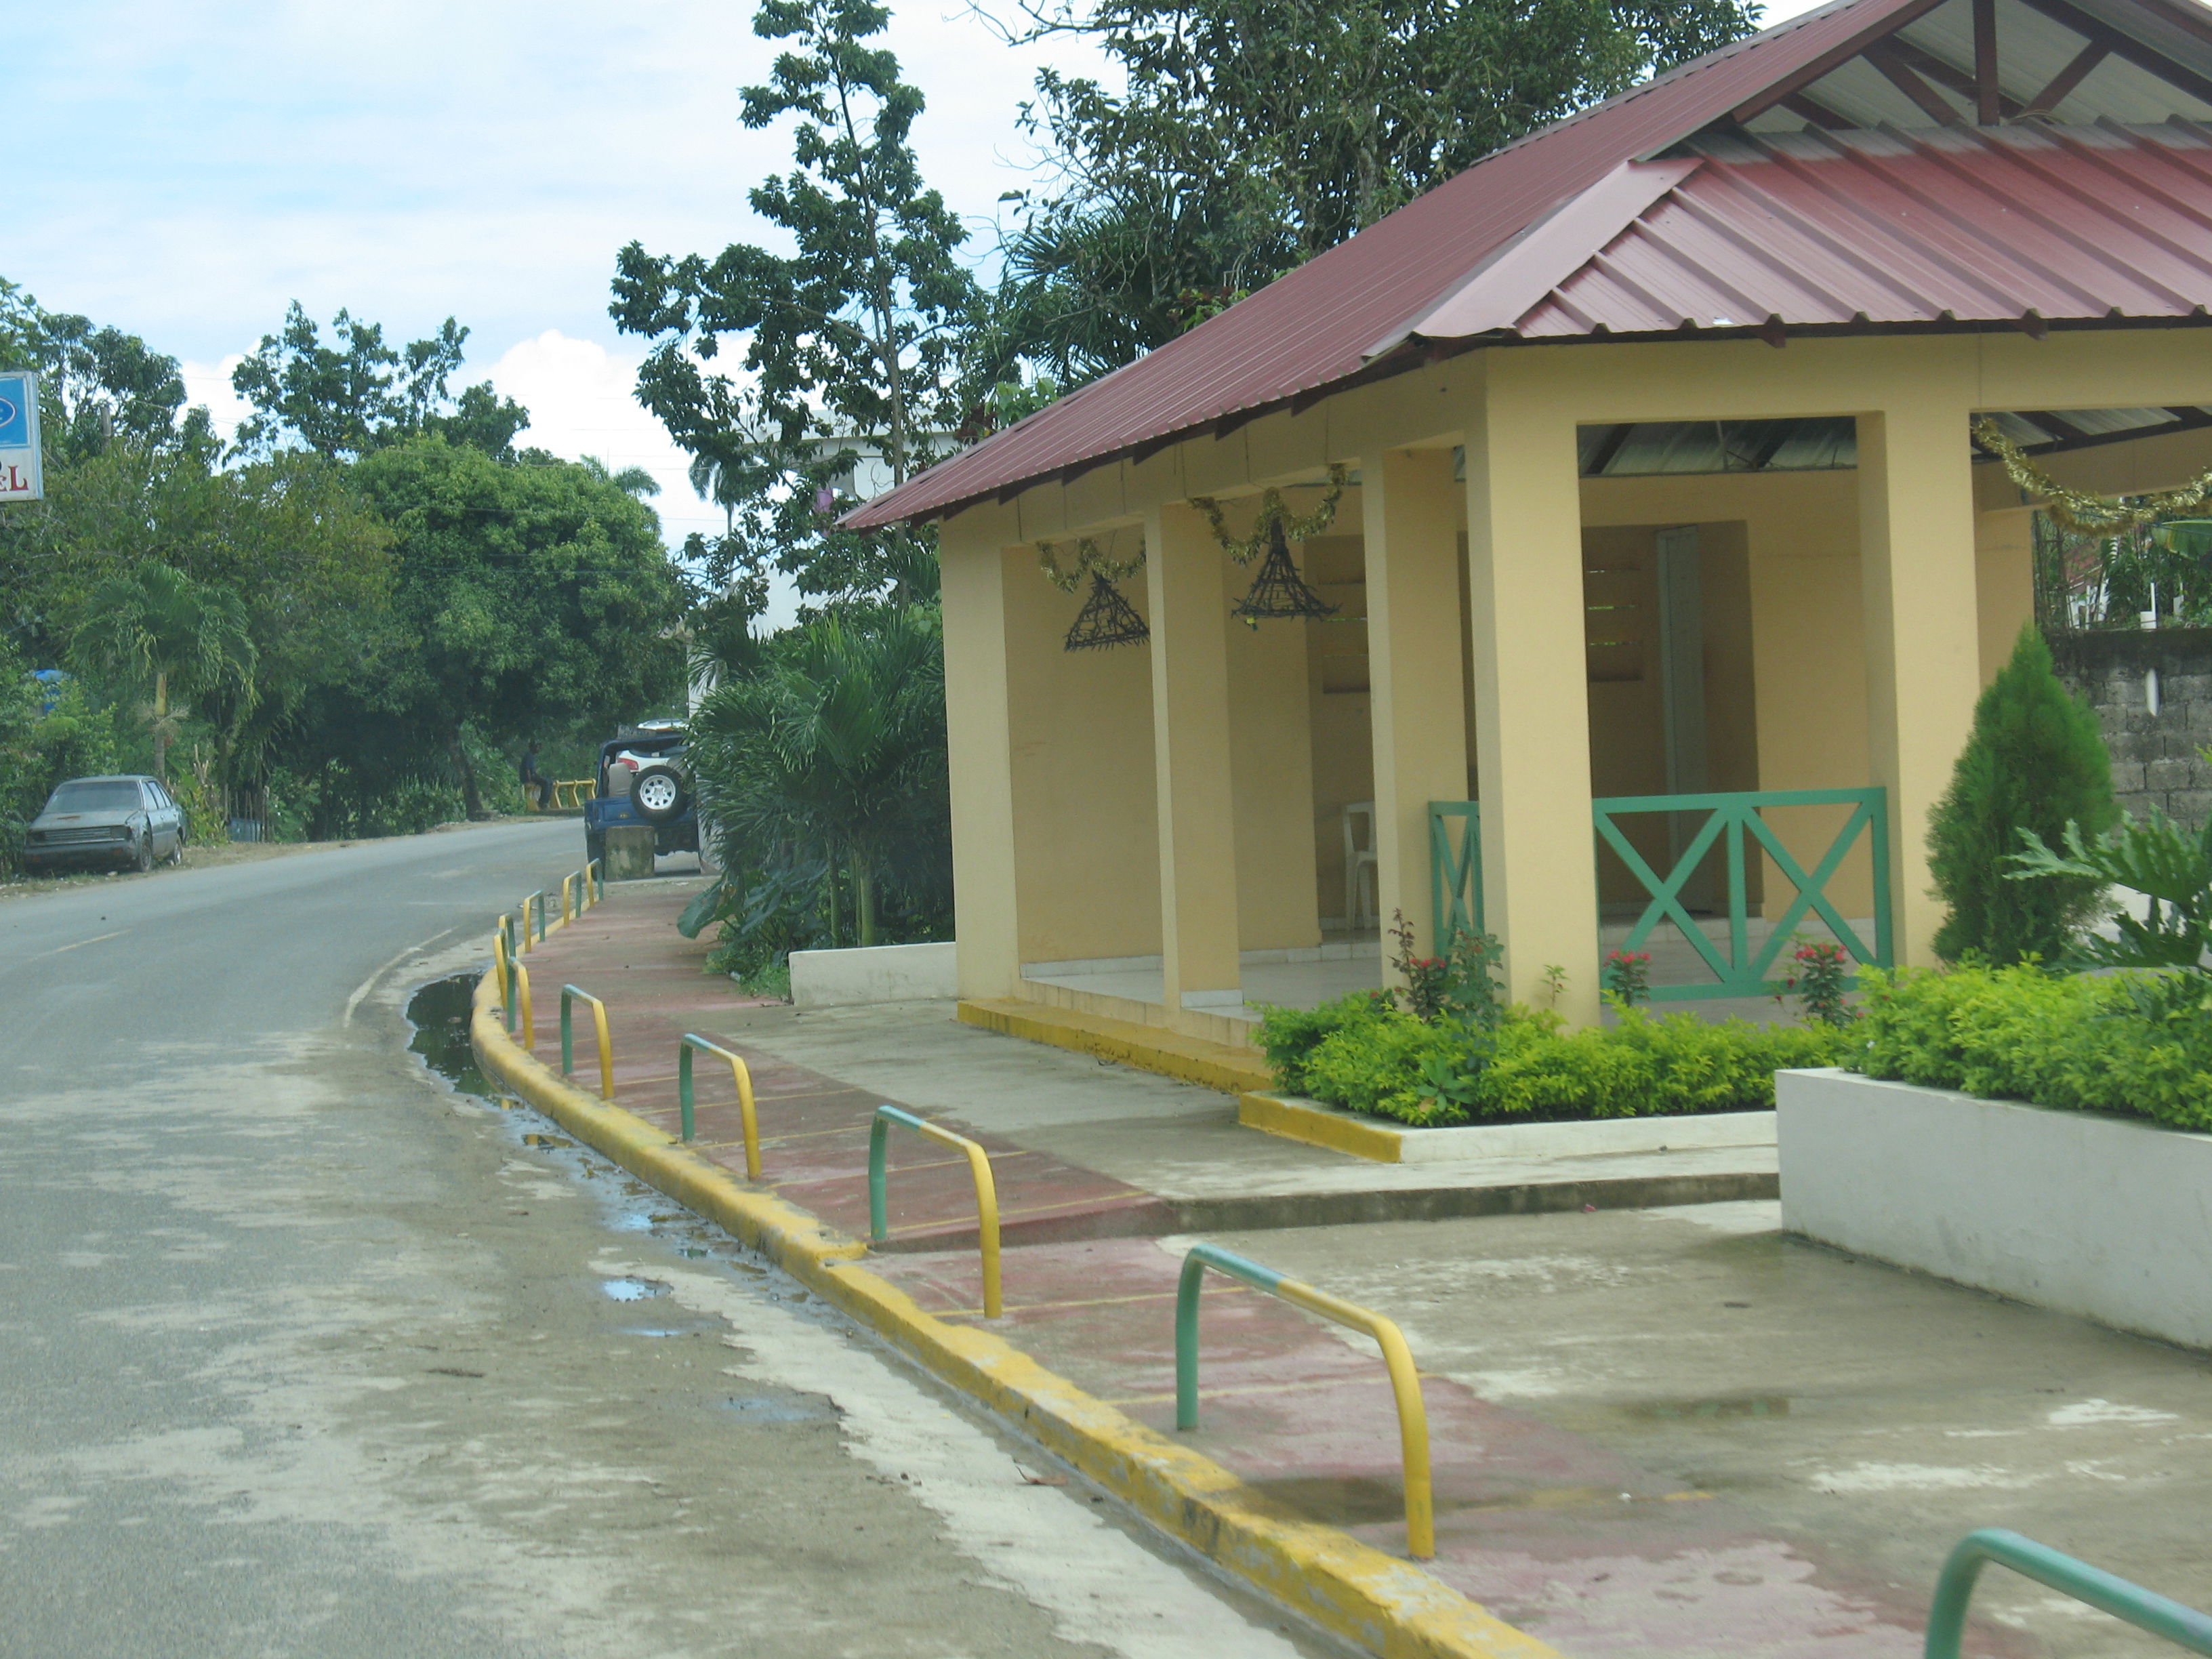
{"points": [[1255, 134], [358, 394], [850, 344], [524, 599]]}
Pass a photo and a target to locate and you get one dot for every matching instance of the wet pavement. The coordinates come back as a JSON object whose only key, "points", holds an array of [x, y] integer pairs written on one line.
{"points": [[1668, 1432]]}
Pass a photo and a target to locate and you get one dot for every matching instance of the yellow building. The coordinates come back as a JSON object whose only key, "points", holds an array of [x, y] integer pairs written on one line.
{"points": [[1659, 530]]}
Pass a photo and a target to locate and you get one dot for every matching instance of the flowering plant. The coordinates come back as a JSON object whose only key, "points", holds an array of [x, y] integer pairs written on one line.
{"points": [[1628, 977]]}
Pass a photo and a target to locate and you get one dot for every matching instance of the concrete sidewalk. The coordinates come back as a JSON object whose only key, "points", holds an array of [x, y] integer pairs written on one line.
{"points": [[1580, 1490]]}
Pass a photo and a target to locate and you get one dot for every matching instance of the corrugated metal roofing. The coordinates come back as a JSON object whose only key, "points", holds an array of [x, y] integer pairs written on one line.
{"points": [[1525, 241], [1835, 229]]}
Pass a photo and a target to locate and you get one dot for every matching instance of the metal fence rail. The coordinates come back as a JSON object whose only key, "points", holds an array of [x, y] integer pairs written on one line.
{"points": [[570, 995], [1455, 870], [740, 1074], [979, 1166], [2144, 1609], [1405, 1381]]}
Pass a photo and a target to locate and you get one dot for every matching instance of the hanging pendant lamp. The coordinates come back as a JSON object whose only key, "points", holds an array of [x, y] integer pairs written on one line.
{"points": [[1279, 589], [1106, 620]]}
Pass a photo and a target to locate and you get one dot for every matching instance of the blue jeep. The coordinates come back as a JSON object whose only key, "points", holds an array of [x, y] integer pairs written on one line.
{"points": [[643, 780]]}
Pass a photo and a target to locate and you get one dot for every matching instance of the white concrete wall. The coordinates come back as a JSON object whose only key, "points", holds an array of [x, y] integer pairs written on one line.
{"points": [[880, 973], [2107, 1218]]}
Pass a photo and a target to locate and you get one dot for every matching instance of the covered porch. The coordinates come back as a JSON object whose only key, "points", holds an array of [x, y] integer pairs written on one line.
{"points": [[1639, 567]]}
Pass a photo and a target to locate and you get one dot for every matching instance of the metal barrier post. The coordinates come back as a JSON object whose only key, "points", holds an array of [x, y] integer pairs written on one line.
{"points": [[537, 899], [590, 897], [567, 885], [1404, 1380], [979, 1166], [2144, 1609], [529, 1017], [502, 972], [740, 1074], [568, 995]]}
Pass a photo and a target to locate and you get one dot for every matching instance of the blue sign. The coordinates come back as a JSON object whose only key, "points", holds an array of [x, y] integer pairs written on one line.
{"points": [[21, 479], [14, 411]]}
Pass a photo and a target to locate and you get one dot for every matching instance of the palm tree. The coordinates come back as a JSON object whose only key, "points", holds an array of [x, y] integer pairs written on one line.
{"points": [[188, 638], [836, 746]]}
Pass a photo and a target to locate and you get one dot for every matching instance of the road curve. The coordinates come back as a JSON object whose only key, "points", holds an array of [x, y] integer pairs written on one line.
{"points": [[302, 1353]]}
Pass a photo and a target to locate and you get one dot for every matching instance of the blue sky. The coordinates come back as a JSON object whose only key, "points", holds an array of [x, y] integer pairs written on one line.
{"points": [[197, 165]]}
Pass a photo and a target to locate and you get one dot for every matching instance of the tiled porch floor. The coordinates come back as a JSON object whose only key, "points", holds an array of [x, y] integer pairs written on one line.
{"points": [[1343, 964]]}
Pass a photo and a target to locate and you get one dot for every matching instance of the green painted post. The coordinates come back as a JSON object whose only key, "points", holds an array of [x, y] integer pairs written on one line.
{"points": [[2145, 1610], [1194, 1264], [507, 931], [567, 1033], [683, 1051], [879, 1216]]}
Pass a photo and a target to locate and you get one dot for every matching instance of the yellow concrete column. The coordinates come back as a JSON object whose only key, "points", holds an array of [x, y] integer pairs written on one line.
{"points": [[1416, 639], [1923, 656], [975, 688], [1191, 761], [1526, 636]]}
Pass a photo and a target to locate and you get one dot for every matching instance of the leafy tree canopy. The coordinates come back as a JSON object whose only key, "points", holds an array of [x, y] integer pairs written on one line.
{"points": [[358, 394], [525, 597], [848, 346], [97, 385], [1252, 137]]}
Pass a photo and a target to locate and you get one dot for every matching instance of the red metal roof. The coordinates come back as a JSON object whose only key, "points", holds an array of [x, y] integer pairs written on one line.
{"points": [[1568, 231], [1833, 229]]}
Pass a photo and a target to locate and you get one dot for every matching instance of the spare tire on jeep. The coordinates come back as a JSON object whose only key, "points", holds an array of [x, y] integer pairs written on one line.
{"points": [[658, 792]]}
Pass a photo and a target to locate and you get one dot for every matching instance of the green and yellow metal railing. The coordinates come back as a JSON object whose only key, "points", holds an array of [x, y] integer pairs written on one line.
{"points": [[692, 1043], [2146, 1610], [1405, 1381], [570, 995], [979, 1167]]}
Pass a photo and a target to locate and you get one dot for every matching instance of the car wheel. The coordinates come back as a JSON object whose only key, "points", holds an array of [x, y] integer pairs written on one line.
{"points": [[145, 860], [176, 850], [658, 793]]}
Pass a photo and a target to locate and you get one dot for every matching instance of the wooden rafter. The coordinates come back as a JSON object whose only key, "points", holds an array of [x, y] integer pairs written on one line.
{"points": [[2126, 46], [1987, 98], [1813, 110], [2067, 79], [1929, 67], [1885, 57]]}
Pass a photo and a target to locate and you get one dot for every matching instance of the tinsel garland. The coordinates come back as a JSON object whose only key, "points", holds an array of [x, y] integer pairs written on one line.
{"points": [[1089, 557], [1275, 511], [2079, 509]]}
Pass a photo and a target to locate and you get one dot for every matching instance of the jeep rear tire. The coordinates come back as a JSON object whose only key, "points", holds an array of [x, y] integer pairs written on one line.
{"points": [[658, 793]]}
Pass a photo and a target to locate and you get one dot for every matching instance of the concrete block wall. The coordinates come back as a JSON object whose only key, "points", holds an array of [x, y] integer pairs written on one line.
{"points": [[2155, 758]]}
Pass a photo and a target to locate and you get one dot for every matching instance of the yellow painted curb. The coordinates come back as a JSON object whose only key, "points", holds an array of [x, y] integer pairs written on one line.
{"points": [[1148, 1048], [1389, 1606], [1296, 1120]]}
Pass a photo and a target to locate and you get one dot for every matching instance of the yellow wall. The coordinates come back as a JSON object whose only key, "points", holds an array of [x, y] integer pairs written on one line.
{"points": [[1338, 706], [1272, 773], [1086, 853]]}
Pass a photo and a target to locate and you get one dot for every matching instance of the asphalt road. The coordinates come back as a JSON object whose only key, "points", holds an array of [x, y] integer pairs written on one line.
{"points": [[302, 1353]]}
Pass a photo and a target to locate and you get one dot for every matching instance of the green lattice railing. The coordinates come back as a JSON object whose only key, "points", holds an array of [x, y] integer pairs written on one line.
{"points": [[1733, 822], [1454, 869]]}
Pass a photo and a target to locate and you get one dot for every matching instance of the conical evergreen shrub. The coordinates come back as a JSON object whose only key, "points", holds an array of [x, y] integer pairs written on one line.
{"points": [[2035, 760]]}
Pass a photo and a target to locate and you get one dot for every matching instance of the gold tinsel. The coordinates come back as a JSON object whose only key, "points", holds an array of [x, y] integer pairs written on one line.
{"points": [[1274, 510], [2078, 509], [1089, 557]]}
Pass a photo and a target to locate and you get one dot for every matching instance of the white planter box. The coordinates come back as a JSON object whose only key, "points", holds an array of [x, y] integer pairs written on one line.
{"points": [[2107, 1218], [1296, 1118], [878, 973]]}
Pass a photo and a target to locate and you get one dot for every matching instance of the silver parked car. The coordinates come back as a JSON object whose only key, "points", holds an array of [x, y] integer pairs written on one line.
{"points": [[125, 822]]}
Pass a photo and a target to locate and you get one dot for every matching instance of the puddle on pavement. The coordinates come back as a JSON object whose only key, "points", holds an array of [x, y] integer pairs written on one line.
{"points": [[1670, 1411], [439, 1014], [632, 1290], [558, 1141], [785, 1408]]}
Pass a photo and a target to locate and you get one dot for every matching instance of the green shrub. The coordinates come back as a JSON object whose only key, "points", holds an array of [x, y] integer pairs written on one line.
{"points": [[2134, 1043], [1289, 1036], [2035, 763], [1365, 1055]]}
